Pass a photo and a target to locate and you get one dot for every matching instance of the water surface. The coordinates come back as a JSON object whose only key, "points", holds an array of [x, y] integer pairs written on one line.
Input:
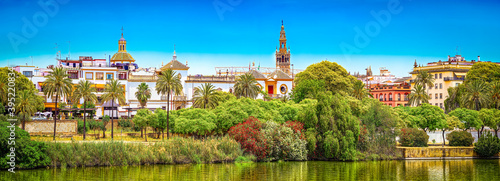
{"points": [[488, 170]]}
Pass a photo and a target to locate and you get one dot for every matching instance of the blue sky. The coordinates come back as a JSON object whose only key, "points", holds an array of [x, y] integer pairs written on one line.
{"points": [[235, 32]]}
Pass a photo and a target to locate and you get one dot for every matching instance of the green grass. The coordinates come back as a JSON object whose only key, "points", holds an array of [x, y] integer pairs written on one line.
{"points": [[174, 151]]}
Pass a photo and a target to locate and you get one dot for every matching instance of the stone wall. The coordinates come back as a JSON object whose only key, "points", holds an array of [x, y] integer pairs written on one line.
{"points": [[66, 127], [438, 152]]}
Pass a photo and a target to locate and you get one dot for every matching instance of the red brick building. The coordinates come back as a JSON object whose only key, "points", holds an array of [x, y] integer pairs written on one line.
{"points": [[391, 94]]}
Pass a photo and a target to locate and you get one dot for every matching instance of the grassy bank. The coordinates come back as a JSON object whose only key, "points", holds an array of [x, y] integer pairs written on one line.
{"points": [[176, 150]]}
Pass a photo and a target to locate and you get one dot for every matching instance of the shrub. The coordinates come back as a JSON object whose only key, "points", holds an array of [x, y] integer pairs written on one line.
{"points": [[488, 145], [29, 154], [284, 143], [460, 138], [249, 136], [80, 127], [124, 123], [413, 137]]}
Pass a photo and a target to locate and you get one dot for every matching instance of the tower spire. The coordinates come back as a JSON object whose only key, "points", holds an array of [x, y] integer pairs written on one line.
{"points": [[175, 56], [122, 31]]}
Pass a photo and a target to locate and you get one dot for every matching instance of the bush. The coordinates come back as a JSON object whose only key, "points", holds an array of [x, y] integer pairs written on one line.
{"points": [[460, 138], [488, 145], [125, 123], [29, 154], [413, 137], [284, 143], [80, 127], [250, 137]]}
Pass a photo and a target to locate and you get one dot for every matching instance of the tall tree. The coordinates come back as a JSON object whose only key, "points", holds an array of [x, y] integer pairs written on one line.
{"points": [[495, 94], [424, 78], [143, 94], [114, 91], [360, 91], [3, 89], [168, 82], [57, 84], [470, 118], [483, 71], [454, 98], [490, 118], [205, 96], [429, 117], [246, 86], [476, 95], [25, 106], [84, 90], [418, 96], [452, 122], [335, 77]]}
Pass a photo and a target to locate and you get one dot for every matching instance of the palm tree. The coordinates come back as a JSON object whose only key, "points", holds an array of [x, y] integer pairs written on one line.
{"points": [[143, 94], [84, 90], [57, 84], [25, 105], [453, 100], [495, 94], [205, 96], [246, 86], [359, 91], [424, 78], [168, 82], [114, 91], [418, 96], [476, 95], [3, 89]]}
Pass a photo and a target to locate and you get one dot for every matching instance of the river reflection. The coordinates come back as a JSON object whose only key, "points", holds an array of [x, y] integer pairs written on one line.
{"points": [[312, 170]]}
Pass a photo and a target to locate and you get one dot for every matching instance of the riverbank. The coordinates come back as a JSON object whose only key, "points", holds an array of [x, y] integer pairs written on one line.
{"points": [[439, 152], [174, 151]]}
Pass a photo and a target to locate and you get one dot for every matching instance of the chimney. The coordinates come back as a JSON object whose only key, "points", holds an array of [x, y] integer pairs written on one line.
{"points": [[478, 58]]}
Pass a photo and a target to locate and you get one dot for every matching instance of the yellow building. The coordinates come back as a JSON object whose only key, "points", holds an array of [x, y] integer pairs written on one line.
{"points": [[450, 73]]}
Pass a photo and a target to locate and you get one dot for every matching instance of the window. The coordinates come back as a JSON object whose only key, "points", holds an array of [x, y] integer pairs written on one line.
{"points": [[440, 95], [441, 105], [440, 85], [435, 85], [89, 75], [28, 73], [436, 104], [436, 96], [283, 89], [109, 76], [99, 76], [435, 76], [430, 96], [440, 75]]}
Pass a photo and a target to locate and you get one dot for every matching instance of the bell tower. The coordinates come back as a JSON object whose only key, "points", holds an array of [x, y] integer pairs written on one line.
{"points": [[283, 54], [122, 44]]}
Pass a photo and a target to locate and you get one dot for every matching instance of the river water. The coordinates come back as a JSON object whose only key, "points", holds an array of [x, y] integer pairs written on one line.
{"points": [[488, 170]]}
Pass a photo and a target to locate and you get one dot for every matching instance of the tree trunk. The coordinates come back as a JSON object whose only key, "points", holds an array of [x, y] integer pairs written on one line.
{"points": [[162, 135], [496, 132], [146, 134], [24, 122], [142, 136], [55, 116], [482, 129], [168, 114], [443, 138], [84, 119], [112, 114], [478, 136]]}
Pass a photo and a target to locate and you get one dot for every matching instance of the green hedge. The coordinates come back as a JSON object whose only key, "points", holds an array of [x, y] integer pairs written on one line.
{"points": [[413, 137], [460, 138], [487, 145]]}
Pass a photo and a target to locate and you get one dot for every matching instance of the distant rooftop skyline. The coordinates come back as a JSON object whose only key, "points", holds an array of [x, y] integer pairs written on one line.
{"points": [[356, 34]]}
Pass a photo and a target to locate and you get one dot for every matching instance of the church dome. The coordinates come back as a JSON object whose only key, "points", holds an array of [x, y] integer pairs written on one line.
{"points": [[122, 56]]}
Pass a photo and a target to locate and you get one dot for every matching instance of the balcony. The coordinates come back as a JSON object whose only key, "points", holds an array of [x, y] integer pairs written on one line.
{"points": [[454, 78], [275, 96], [211, 78]]}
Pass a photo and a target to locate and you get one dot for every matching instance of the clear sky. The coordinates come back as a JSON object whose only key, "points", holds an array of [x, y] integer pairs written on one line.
{"points": [[218, 33]]}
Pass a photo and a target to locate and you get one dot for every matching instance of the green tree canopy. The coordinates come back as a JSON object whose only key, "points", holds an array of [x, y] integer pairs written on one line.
{"points": [[429, 117], [484, 71], [307, 89], [337, 79], [470, 118]]}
